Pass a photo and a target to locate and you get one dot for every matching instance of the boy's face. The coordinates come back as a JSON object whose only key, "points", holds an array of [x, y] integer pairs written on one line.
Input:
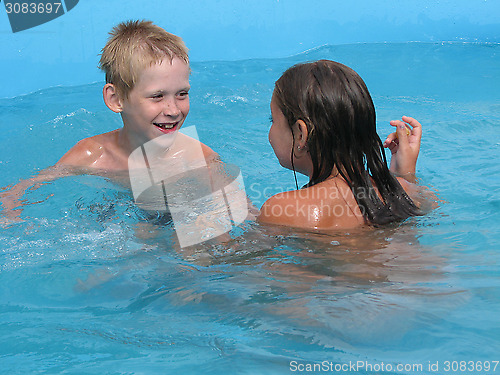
{"points": [[159, 102]]}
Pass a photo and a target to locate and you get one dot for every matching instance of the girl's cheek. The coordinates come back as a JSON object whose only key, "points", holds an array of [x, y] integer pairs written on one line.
{"points": [[270, 135]]}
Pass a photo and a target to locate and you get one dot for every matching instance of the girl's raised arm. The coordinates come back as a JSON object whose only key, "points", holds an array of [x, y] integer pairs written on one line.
{"points": [[404, 144]]}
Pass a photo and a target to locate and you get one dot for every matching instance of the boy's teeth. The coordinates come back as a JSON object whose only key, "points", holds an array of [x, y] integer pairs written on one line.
{"points": [[165, 126]]}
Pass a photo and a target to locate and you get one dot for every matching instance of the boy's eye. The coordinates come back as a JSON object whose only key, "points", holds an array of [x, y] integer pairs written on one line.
{"points": [[157, 96], [183, 94]]}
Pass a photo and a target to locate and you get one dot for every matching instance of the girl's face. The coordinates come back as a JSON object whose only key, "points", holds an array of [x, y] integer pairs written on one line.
{"points": [[281, 140], [280, 135]]}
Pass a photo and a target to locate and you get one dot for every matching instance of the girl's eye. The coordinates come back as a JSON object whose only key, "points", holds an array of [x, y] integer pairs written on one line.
{"points": [[183, 94], [157, 96]]}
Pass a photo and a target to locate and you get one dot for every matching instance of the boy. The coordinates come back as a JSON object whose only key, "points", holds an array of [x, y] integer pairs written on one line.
{"points": [[147, 82]]}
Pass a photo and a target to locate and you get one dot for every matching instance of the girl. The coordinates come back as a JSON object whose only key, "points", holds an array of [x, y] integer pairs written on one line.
{"points": [[323, 125]]}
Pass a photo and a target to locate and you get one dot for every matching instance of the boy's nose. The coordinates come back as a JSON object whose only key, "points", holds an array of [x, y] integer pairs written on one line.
{"points": [[171, 109]]}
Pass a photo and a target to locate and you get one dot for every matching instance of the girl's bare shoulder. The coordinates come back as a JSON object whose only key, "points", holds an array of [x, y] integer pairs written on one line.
{"points": [[318, 207]]}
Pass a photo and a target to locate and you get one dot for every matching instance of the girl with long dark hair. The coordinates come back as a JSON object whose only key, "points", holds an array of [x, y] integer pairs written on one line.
{"points": [[323, 126]]}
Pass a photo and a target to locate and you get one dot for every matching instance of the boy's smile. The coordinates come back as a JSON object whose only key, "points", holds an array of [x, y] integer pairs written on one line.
{"points": [[159, 102]]}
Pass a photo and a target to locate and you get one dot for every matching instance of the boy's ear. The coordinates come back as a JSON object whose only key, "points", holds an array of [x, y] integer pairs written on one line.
{"points": [[301, 133], [112, 98]]}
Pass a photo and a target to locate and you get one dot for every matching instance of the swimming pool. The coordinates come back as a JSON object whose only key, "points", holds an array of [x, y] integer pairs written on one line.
{"points": [[85, 289]]}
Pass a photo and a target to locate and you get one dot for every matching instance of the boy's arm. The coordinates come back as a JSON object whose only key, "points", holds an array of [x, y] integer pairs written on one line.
{"points": [[11, 196], [404, 144]]}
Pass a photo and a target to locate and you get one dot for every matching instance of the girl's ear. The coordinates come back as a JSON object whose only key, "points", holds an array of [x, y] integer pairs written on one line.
{"points": [[112, 98], [301, 134]]}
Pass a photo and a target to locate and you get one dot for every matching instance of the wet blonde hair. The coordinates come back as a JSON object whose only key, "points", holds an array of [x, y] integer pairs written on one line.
{"points": [[134, 46]]}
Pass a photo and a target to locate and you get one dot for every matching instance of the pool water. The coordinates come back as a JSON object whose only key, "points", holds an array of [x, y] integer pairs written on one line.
{"points": [[88, 285]]}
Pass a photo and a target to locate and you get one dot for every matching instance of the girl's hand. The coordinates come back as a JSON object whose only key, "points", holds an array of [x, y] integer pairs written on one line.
{"points": [[404, 144]]}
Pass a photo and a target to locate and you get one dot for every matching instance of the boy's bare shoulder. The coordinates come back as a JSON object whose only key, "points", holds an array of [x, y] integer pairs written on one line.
{"points": [[88, 151], [188, 142]]}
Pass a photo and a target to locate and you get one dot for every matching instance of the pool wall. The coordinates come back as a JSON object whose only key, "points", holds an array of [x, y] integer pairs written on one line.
{"points": [[65, 50]]}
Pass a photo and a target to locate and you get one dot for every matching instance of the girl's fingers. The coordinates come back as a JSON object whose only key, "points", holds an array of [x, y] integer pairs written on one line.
{"points": [[402, 133], [392, 147], [401, 127], [395, 122], [410, 120], [408, 132], [417, 127], [390, 139]]}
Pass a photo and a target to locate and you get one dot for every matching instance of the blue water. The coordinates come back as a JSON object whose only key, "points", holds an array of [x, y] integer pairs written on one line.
{"points": [[88, 286]]}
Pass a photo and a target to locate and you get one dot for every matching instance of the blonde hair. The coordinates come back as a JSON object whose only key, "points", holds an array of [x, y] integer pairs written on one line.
{"points": [[133, 46]]}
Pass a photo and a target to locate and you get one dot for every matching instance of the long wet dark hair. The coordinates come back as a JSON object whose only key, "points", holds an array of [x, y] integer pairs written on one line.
{"points": [[334, 103]]}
